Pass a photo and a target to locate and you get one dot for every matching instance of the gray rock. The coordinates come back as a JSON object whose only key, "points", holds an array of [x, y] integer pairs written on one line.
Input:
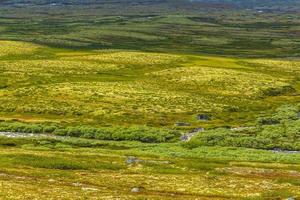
{"points": [[241, 128], [136, 190], [89, 189], [188, 136], [131, 160], [77, 184], [277, 150], [184, 137], [203, 117], [197, 130]]}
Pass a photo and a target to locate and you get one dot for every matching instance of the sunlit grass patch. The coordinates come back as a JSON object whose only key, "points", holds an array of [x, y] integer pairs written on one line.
{"points": [[135, 87], [53, 67], [11, 48], [284, 66], [131, 57], [103, 98], [227, 82]]}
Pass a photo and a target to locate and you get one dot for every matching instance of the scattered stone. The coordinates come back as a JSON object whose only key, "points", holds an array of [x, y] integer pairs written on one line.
{"points": [[166, 162], [77, 184], [203, 117], [17, 135], [197, 130], [188, 136], [136, 189], [89, 189], [51, 180], [3, 174], [242, 128], [277, 150], [290, 198], [20, 177], [132, 160], [30, 135]]}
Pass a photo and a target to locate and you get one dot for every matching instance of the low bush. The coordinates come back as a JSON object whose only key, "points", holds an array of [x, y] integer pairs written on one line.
{"points": [[134, 133], [283, 113], [284, 136], [280, 131]]}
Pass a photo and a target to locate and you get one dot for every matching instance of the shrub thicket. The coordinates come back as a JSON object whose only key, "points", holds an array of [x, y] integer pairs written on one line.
{"points": [[279, 131], [134, 133]]}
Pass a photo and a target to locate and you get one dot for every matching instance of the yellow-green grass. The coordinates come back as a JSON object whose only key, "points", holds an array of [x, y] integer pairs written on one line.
{"points": [[117, 87], [11, 47], [49, 169]]}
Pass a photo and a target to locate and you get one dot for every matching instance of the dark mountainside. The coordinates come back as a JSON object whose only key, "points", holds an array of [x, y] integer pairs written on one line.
{"points": [[228, 27], [275, 4]]}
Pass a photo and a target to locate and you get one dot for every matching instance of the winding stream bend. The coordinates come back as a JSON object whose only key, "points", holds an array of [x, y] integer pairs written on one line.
{"points": [[29, 135], [41, 135]]}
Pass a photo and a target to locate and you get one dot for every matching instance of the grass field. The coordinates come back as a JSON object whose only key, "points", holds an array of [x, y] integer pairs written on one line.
{"points": [[96, 98], [116, 87], [44, 88], [69, 169]]}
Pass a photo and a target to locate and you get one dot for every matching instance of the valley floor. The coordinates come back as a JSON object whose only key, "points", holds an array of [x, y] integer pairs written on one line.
{"points": [[40, 84], [131, 96], [64, 169]]}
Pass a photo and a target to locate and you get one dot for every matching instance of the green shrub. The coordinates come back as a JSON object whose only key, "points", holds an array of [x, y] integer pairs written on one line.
{"points": [[283, 113], [284, 136], [134, 133]]}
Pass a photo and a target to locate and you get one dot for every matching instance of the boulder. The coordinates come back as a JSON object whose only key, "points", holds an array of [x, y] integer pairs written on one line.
{"points": [[203, 117], [197, 130], [290, 198], [131, 160], [137, 189]]}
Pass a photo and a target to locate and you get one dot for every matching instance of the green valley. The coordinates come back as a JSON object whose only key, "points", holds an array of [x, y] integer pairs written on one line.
{"points": [[149, 99]]}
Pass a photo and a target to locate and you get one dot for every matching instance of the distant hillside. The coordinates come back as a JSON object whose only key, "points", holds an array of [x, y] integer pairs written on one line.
{"points": [[275, 4], [255, 3], [248, 28], [120, 4]]}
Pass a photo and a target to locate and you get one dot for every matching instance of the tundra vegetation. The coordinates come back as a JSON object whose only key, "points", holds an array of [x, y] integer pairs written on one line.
{"points": [[100, 99]]}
